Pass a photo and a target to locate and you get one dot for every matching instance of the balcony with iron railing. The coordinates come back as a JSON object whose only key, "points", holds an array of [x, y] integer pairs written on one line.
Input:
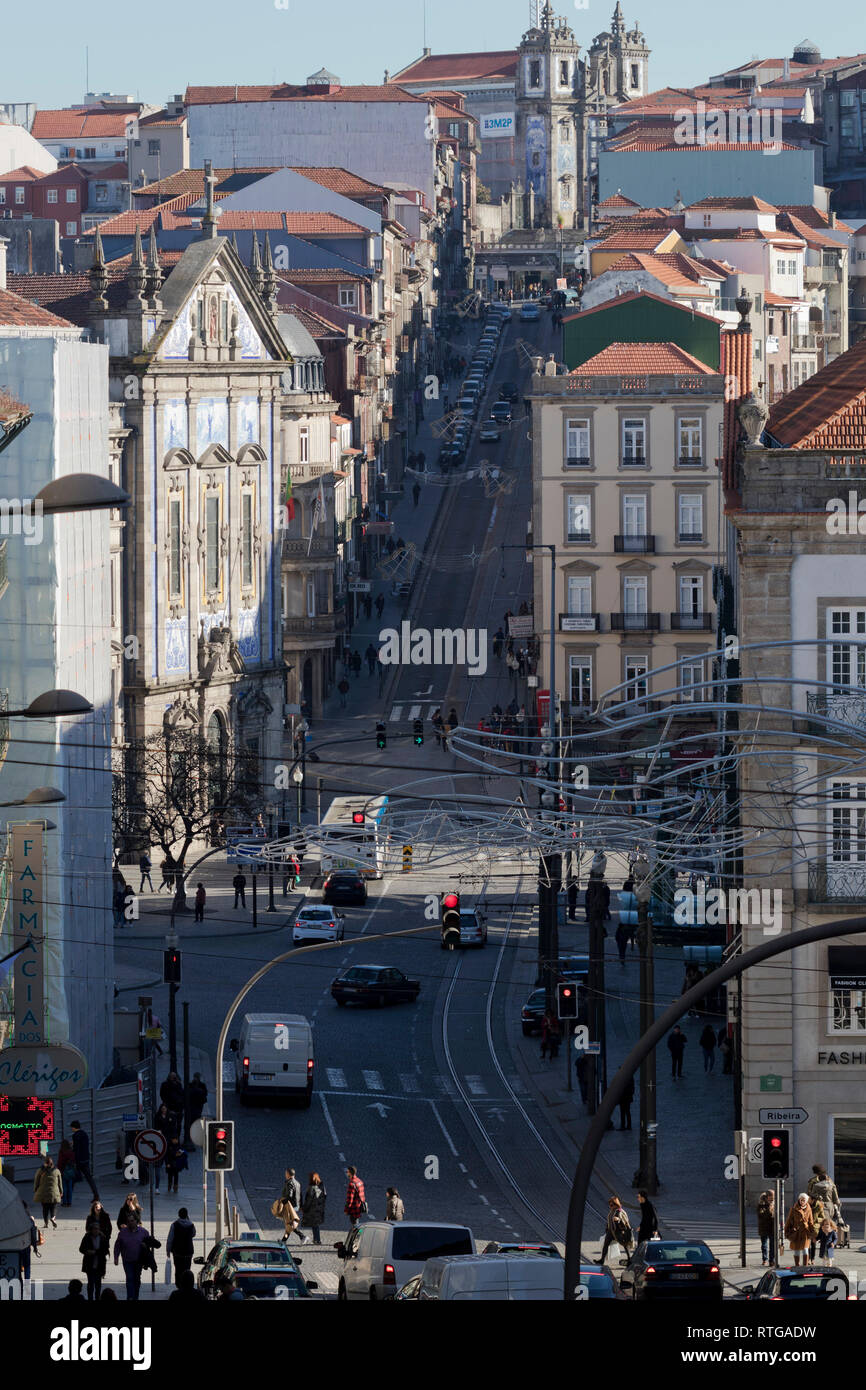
{"points": [[634, 545], [300, 548], [578, 461], [837, 883], [635, 622], [804, 342], [579, 537], [630, 460], [322, 625], [847, 706], [690, 537], [691, 622], [690, 461]]}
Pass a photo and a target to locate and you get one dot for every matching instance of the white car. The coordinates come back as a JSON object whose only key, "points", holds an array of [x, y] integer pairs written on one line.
{"points": [[317, 923]]}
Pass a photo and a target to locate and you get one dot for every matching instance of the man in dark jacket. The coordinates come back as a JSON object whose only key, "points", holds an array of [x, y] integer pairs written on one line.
{"points": [[197, 1096], [625, 1105], [649, 1222], [81, 1149], [171, 1093], [181, 1244], [677, 1046], [239, 883], [597, 899]]}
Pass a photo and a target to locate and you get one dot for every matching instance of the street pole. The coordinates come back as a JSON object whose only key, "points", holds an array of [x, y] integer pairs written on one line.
{"points": [[185, 1007], [271, 907], [172, 1026], [646, 1175], [255, 902]]}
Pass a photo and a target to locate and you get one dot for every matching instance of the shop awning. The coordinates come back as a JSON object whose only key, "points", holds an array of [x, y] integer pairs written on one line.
{"points": [[847, 966]]}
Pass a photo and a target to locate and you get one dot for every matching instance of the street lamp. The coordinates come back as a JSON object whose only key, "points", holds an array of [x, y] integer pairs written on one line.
{"points": [[40, 796], [298, 779], [53, 704], [81, 492]]}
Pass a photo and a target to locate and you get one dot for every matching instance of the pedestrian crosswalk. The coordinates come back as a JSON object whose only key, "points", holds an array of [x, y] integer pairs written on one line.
{"points": [[409, 713], [341, 1080]]}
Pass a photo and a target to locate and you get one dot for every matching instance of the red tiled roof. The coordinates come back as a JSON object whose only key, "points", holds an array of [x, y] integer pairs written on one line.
{"points": [[829, 410], [813, 217], [667, 269], [159, 118], [617, 200], [70, 294], [778, 300], [668, 100], [315, 325], [749, 204], [321, 276], [736, 366], [339, 180], [631, 298], [635, 239], [72, 125], [286, 91], [125, 223], [295, 223], [167, 259], [810, 235], [17, 312], [662, 138], [25, 173], [446, 67], [644, 359]]}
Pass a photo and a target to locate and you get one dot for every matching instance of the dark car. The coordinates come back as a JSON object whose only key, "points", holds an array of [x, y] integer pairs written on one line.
{"points": [[572, 967], [344, 886], [227, 1256], [509, 392], [501, 412], [600, 1282], [533, 1012], [269, 1281], [780, 1285], [374, 984], [520, 1247], [409, 1291], [672, 1269]]}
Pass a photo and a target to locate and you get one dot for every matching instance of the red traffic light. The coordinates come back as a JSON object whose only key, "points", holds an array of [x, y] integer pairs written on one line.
{"points": [[566, 991], [357, 817], [220, 1134], [775, 1142], [451, 900]]}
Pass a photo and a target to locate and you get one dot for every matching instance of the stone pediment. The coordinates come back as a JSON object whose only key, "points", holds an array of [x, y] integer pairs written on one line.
{"points": [[218, 654]]}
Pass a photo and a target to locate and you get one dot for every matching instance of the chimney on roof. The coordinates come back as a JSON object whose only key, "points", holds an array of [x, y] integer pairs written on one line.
{"points": [[786, 70], [4, 242], [832, 217], [427, 52], [387, 78]]}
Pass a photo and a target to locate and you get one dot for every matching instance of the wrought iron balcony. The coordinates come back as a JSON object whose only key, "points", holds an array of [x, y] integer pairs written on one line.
{"points": [[633, 460], [577, 461], [322, 548], [690, 461], [579, 536], [830, 883], [635, 622], [321, 625], [848, 706], [690, 537], [634, 545], [691, 622]]}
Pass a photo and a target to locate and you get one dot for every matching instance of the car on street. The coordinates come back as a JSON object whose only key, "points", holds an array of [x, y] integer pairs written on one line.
{"points": [[669, 1269], [345, 886], [270, 1282], [518, 1247], [490, 433], [600, 1282], [530, 313], [467, 405], [508, 391], [781, 1285], [374, 984], [379, 1257], [501, 412], [572, 967], [274, 1058], [230, 1255], [473, 927], [317, 922], [491, 1278], [533, 1012]]}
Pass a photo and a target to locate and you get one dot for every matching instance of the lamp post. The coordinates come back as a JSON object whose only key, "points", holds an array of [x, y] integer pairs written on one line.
{"points": [[646, 1175], [40, 796], [53, 704], [298, 779]]}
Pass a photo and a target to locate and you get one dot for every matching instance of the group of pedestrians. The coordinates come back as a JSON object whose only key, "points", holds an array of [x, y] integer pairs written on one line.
{"points": [[508, 726], [814, 1224], [443, 728], [303, 1211], [710, 1041], [618, 1229]]}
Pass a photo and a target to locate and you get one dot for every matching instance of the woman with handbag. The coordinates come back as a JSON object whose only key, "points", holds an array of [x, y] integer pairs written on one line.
{"points": [[285, 1209], [618, 1229]]}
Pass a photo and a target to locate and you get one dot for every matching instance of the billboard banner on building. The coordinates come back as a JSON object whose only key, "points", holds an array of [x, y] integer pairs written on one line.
{"points": [[497, 126]]}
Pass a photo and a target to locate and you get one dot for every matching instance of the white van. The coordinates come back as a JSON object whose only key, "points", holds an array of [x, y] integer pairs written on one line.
{"points": [[379, 1257], [493, 1278], [274, 1057]]}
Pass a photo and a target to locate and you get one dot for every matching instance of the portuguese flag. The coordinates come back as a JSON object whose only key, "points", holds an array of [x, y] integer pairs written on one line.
{"points": [[290, 501]]}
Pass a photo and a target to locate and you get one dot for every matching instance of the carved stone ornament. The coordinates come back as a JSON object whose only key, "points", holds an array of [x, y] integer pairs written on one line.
{"points": [[753, 414], [181, 713]]}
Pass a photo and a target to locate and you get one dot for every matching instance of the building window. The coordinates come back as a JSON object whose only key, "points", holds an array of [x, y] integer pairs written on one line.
{"points": [[535, 73], [304, 444], [563, 73], [690, 449], [577, 443], [691, 596], [213, 564], [848, 1159], [102, 193], [19, 195], [635, 594], [175, 547], [72, 229], [90, 153], [847, 829], [246, 540], [579, 515], [3, 194], [690, 524], [634, 514], [635, 75], [636, 677], [847, 1010], [51, 195], [846, 662], [153, 147], [580, 679], [692, 680], [708, 219], [780, 267], [454, 130], [348, 297], [792, 267], [579, 595], [311, 598], [634, 441], [72, 195]]}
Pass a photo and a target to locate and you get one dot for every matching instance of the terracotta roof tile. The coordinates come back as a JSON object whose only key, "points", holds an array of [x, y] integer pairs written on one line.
{"points": [[827, 411], [813, 217], [25, 173], [339, 180], [211, 96], [748, 204], [73, 125], [635, 239], [451, 67], [315, 276], [315, 325], [617, 200], [667, 269], [644, 359], [69, 295], [17, 312], [786, 222], [778, 300]]}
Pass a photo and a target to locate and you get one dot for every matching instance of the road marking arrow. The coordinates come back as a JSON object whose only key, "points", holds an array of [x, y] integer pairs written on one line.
{"points": [[382, 1109], [422, 693]]}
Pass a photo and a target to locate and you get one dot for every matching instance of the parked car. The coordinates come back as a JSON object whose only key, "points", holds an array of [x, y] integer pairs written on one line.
{"points": [[231, 1254], [492, 1278], [344, 886], [572, 967], [374, 984], [672, 1269], [317, 923], [274, 1058], [270, 1282], [533, 1012], [379, 1257], [516, 1247], [780, 1285], [600, 1282]]}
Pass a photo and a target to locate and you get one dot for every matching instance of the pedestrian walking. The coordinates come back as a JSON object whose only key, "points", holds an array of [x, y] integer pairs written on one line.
{"points": [[394, 1209], [180, 1244], [313, 1207], [649, 1222], [416, 492], [625, 1103], [554, 1036], [798, 1228], [94, 1252], [200, 900], [356, 1200], [621, 937], [571, 896], [239, 883], [581, 1067], [371, 656], [197, 1096], [67, 1170], [48, 1189], [166, 868], [343, 688], [118, 897], [617, 1228], [498, 639], [356, 664], [171, 1093], [438, 725], [81, 1147], [290, 1198], [820, 1186], [677, 1046], [98, 1213], [368, 605], [446, 730], [144, 866], [380, 604], [767, 1226], [708, 1047], [130, 1247], [130, 1211], [827, 1240], [176, 1162]]}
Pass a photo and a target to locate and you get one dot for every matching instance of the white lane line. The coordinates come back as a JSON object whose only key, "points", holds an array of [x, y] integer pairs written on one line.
{"points": [[473, 1183], [476, 1085], [329, 1122], [493, 517], [336, 1077], [409, 1083], [483, 1199], [326, 1280], [415, 712], [461, 1166], [449, 1141], [396, 713], [373, 1080]]}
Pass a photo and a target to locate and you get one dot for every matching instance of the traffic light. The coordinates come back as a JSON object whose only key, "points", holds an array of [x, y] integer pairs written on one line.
{"points": [[450, 921], [566, 999], [171, 966], [776, 1153], [357, 817], [220, 1151], [381, 735], [418, 731]]}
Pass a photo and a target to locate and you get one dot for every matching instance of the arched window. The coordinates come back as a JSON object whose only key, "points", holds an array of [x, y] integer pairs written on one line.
{"points": [[217, 745]]}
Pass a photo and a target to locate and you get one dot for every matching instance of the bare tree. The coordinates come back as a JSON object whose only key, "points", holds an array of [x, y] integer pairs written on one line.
{"points": [[175, 788]]}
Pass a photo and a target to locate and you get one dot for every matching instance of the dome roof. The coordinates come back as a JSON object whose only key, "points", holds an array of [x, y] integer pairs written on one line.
{"points": [[806, 52]]}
